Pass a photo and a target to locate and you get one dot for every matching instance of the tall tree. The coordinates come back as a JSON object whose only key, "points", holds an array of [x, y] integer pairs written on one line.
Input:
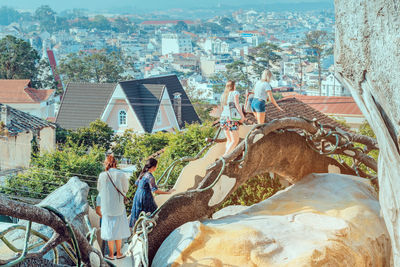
{"points": [[45, 78], [100, 67], [318, 41], [264, 56], [47, 18], [18, 60], [238, 71]]}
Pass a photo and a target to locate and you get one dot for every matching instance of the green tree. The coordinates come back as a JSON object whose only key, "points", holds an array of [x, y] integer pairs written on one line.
{"points": [[97, 134], [237, 71], [263, 56], [18, 60], [8, 15], [47, 18], [122, 25], [318, 41], [101, 23], [45, 78], [100, 67], [181, 26]]}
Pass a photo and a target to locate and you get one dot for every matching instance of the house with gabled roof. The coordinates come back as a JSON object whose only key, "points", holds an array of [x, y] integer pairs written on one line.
{"points": [[145, 105], [19, 132], [20, 95]]}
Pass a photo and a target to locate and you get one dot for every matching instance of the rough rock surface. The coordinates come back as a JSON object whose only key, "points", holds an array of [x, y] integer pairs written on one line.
{"points": [[324, 220], [71, 201], [367, 56]]}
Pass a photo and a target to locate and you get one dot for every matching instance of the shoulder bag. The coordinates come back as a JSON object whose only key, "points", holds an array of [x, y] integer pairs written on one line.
{"points": [[126, 199]]}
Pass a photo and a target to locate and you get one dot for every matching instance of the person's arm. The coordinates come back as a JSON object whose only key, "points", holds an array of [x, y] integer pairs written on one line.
{"points": [[98, 210], [154, 187], [238, 107], [271, 97]]}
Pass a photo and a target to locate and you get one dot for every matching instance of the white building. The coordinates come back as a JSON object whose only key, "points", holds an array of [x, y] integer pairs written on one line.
{"points": [[289, 68], [332, 87], [216, 46], [172, 43]]}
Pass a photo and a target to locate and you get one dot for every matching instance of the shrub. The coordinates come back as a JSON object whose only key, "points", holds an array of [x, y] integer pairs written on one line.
{"points": [[254, 191], [97, 134], [53, 169]]}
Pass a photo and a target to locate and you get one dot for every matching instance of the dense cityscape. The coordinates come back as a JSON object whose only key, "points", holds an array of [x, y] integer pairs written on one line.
{"points": [[202, 52]]}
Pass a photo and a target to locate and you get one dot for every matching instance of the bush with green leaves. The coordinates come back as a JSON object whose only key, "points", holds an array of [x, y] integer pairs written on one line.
{"points": [[53, 169], [137, 147], [185, 143], [98, 133], [254, 191]]}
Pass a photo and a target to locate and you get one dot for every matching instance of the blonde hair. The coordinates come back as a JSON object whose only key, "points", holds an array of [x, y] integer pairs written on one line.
{"points": [[266, 76], [229, 87]]}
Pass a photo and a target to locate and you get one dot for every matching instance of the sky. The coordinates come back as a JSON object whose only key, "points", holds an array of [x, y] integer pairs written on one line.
{"points": [[60, 5]]}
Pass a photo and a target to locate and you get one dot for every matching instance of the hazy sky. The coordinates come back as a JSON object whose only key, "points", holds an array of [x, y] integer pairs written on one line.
{"points": [[59, 5]]}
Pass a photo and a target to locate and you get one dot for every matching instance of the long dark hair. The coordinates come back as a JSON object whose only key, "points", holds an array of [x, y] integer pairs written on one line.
{"points": [[150, 163]]}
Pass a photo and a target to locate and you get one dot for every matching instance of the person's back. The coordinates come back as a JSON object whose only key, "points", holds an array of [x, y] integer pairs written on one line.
{"points": [[260, 90], [112, 203]]}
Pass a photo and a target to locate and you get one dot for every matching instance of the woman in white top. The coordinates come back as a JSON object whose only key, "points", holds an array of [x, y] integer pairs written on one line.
{"points": [[115, 225], [231, 116], [261, 90]]}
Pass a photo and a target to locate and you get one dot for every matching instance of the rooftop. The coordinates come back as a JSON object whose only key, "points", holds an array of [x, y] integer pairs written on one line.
{"points": [[20, 91], [19, 121], [335, 105]]}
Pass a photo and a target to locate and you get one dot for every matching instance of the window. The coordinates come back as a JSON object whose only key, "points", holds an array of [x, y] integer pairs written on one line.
{"points": [[122, 117]]}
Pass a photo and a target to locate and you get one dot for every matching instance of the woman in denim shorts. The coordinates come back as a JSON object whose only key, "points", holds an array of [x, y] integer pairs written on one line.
{"points": [[261, 90], [231, 116]]}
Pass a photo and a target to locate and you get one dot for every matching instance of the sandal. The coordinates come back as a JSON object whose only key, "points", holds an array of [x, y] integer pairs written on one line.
{"points": [[109, 258], [123, 256]]}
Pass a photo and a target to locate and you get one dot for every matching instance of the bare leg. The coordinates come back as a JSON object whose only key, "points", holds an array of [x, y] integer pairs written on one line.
{"points": [[118, 244], [260, 117], [228, 141], [235, 140], [111, 249]]}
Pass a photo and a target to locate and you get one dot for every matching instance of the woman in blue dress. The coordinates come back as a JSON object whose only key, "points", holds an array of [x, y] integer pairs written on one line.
{"points": [[144, 200]]}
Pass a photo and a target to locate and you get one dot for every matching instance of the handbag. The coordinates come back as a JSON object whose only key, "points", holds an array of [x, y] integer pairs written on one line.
{"points": [[234, 113], [126, 199], [249, 99]]}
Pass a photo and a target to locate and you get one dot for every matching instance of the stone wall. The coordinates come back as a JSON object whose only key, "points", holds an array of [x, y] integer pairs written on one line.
{"points": [[367, 58], [15, 151]]}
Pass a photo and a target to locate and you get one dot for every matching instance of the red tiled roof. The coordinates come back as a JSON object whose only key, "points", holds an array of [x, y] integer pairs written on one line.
{"points": [[19, 91], [162, 22], [185, 55], [190, 33], [340, 105], [292, 108]]}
